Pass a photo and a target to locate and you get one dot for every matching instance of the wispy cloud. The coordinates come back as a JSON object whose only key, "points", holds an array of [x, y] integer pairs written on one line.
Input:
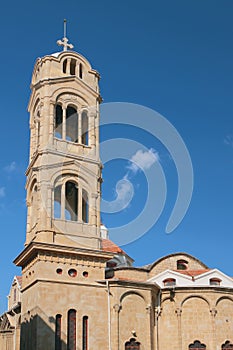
{"points": [[229, 140], [143, 160], [2, 192], [124, 191], [10, 168]]}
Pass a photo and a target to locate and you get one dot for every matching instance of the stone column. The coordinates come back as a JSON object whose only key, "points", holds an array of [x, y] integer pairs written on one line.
{"points": [[150, 326], [116, 329], [213, 313], [68, 66], [80, 202], [178, 313], [91, 128], [80, 127], [92, 209], [51, 123], [63, 199]]}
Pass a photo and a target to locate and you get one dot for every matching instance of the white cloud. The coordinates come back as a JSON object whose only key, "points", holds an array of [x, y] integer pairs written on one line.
{"points": [[2, 192], [143, 160], [11, 167], [124, 193], [229, 140]]}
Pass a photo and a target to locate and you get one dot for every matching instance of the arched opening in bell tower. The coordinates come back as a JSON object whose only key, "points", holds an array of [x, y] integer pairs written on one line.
{"points": [[71, 124]]}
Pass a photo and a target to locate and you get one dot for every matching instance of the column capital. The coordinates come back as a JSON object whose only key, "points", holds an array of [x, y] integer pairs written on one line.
{"points": [[178, 311], [117, 307], [213, 312]]}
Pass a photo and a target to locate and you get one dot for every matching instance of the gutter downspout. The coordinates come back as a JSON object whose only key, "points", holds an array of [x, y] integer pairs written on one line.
{"points": [[109, 317]]}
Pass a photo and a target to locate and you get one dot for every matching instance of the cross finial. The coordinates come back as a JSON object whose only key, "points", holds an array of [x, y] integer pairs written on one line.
{"points": [[64, 41]]}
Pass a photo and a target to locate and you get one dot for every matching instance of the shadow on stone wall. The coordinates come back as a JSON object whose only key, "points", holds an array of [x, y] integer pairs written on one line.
{"points": [[38, 333]]}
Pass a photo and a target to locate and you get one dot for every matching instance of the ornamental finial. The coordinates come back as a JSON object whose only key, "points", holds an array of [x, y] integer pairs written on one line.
{"points": [[64, 41]]}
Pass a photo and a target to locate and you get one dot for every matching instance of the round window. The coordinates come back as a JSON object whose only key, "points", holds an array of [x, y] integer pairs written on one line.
{"points": [[72, 273]]}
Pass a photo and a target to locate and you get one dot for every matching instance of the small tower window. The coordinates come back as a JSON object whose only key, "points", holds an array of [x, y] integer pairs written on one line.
{"points": [[71, 201], [58, 122], [85, 206], [71, 124], [227, 346], [58, 332], [65, 66], [84, 128], [168, 282], [80, 71], [71, 332], [85, 333], [182, 265], [132, 345], [215, 282], [197, 345], [73, 67]]}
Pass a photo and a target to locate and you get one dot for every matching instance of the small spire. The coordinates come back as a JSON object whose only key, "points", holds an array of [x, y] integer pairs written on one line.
{"points": [[64, 41]]}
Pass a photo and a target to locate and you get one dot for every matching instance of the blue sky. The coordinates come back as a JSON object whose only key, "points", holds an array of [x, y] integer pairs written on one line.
{"points": [[175, 57]]}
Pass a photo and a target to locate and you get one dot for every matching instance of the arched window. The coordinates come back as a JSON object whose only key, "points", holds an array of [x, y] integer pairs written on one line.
{"points": [[168, 282], [85, 206], [72, 67], [85, 333], [71, 331], [182, 265], [215, 282], [34, 203], [71, 201], [71, 124], [80, 71], [58, 122], [64, 66], [132, 345], [66, 197], [197, 345], [84, 128], [57, 202], [58, 332], [227, 345]]}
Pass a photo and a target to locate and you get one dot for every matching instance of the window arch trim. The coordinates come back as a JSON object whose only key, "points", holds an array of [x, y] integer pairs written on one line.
{"points": [[227, 345], [132, 344], [71, 329], [196, 345]]}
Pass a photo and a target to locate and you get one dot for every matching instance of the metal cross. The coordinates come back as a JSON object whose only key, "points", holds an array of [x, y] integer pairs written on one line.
{"points": [[64, 41]]}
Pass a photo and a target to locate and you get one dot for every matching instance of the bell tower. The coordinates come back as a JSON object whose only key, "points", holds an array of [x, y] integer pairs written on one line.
{"points": [[64, 257], [64, 173]]}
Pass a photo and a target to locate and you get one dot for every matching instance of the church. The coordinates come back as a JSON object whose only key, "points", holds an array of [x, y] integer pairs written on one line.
{"points": [[79, 290]]}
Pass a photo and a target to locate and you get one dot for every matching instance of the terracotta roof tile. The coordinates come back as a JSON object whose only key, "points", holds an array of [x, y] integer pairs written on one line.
{"points": [[108, 246]]}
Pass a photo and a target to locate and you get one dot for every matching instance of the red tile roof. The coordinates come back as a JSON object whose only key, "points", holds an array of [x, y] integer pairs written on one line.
{"points": [[109, 246], [192, 273]]}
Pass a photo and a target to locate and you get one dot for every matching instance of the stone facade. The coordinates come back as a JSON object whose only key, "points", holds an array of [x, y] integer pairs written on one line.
{"points": [[79, 290]]}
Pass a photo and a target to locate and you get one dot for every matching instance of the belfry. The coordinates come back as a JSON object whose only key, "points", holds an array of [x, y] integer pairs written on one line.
{"points": [[63, 246]]}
